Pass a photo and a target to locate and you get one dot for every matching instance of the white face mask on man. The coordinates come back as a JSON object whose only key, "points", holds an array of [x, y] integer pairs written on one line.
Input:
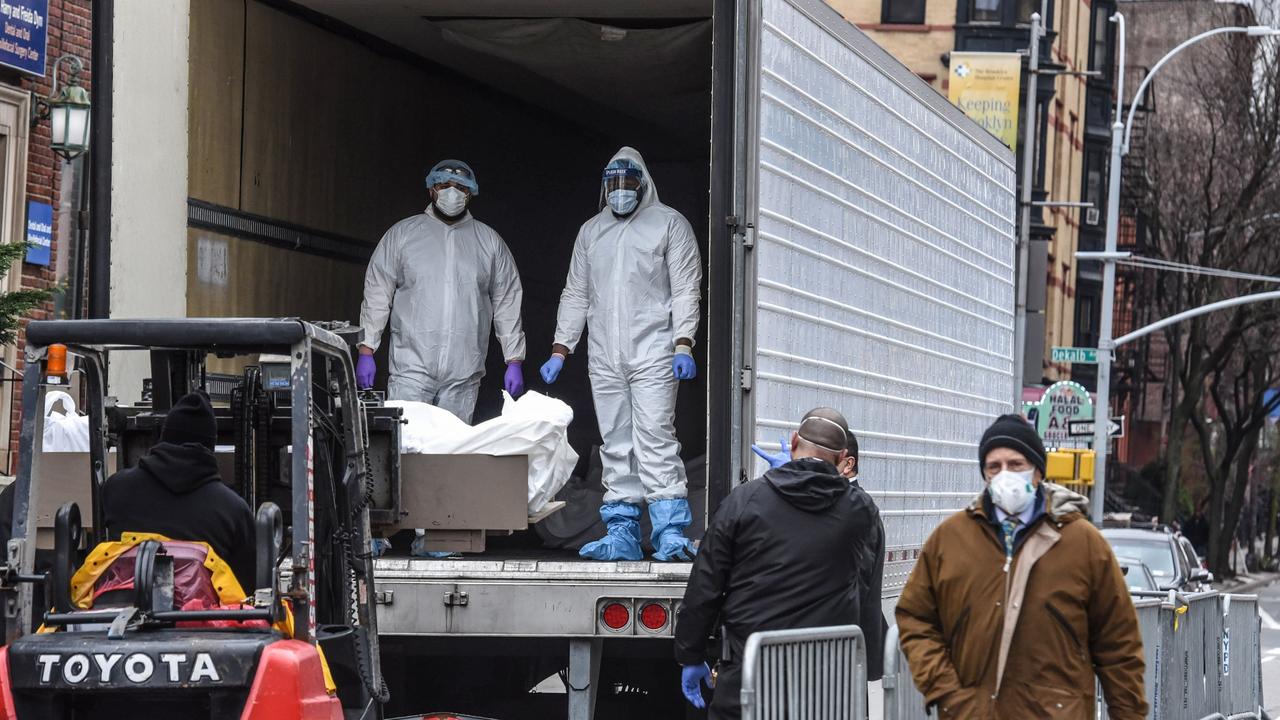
{"points": [[1012, 491], [451, 201]]}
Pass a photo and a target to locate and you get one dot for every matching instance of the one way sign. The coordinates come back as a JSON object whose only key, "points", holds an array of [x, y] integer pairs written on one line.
{"points": [[1084, 428]]}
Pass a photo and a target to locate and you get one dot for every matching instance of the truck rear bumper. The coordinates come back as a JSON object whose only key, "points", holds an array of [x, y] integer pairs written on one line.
{"points": [[522, 598]]}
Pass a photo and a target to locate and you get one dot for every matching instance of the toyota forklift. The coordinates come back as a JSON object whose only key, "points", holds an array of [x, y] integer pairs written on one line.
{"points": [[302, 642]]}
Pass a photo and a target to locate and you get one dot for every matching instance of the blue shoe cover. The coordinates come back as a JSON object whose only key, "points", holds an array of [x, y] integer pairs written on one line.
{"points": [[623, 540], [670, 518]]}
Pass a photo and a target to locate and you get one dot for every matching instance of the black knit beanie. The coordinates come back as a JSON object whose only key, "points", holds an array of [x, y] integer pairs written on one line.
{"points": [[190, 420], [1015, 433]]}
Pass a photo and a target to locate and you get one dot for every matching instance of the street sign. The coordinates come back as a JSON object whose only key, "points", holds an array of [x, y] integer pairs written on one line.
{"points": [[1084, 428], [1079, 356]]}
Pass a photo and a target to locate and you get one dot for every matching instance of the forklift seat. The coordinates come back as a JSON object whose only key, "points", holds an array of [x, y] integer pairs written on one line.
{"points": [[199, 574]]}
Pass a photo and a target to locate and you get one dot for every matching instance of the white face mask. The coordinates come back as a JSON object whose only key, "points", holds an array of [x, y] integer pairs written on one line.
{"points": [[451, 201], [1012, 491], [623, 201]]}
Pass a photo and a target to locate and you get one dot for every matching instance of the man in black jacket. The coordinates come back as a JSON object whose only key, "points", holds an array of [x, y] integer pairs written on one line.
{"points": [[783, 551], [175, 491]]}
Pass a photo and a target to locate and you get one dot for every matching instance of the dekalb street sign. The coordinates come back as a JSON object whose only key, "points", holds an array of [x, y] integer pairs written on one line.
{"points": [[1084, 428], [1081, 356]]}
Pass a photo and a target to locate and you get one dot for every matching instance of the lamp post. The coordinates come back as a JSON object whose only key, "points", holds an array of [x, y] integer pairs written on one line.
{"points": [[67, 110], [1119, 148]]}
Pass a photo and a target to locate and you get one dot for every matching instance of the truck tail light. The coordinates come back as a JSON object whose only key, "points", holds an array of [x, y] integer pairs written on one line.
{"points": [[654, 616], [615, 615]]}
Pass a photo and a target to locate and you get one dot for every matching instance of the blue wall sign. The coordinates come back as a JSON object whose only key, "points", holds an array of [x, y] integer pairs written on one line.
{"points": [[23, 32], [39, 232]]}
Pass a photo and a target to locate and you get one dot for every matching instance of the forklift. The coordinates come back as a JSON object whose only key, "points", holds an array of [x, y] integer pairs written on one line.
{"points": [[303, 641]]}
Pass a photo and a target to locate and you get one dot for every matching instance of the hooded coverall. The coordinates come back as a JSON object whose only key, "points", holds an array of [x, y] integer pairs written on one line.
{"points": [[635, 282], [442, 285]]}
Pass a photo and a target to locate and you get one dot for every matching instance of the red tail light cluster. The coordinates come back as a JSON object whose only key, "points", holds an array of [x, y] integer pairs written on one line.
{"points": [[635, 616]]}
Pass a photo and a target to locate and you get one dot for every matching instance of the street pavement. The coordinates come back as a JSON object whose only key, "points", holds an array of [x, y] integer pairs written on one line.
{"points": [[1269, 608]]}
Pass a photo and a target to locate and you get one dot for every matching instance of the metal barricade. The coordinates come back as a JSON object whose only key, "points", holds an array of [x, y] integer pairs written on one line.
{"points": [[902, 701], [805, 674], [1190, 630], [1202, 654], [1240, 657]]}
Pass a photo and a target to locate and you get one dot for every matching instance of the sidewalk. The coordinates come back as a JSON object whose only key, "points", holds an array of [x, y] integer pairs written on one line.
{"points": [[1247, 582]]}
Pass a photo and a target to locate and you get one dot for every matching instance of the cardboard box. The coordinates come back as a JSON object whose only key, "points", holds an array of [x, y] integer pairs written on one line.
{"points": [[62, 477]]}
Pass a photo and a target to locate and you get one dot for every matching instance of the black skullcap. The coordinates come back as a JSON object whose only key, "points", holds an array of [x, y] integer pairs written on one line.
{"points": [[826, 428], [1015, 433], [190, 420]]}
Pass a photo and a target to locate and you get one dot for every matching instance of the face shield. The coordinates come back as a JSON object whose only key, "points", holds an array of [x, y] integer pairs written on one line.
{"points": [[453, 172], [622, 186]]}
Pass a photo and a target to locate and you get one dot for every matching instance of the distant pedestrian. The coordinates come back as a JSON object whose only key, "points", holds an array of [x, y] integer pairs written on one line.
{"points": [[871, 569], [783, 551], [1017, 601]]}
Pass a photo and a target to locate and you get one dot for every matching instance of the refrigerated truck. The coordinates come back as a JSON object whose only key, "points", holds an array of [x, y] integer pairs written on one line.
{"points": [[857, 233]]}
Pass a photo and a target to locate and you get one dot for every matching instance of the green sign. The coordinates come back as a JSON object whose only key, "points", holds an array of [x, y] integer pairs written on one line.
{"points": [[1062, 402], [1081, 356]]}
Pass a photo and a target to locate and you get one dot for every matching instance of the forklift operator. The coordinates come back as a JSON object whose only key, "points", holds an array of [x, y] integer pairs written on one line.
{"points": [[175, 491]]}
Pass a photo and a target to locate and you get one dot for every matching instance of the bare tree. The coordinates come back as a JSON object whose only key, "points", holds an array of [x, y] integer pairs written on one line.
{"points": [[1230, 444], [1214, 194]]}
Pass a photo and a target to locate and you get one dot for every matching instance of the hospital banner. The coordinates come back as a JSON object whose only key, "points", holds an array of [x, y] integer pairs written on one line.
{"points": [[985, 85]]}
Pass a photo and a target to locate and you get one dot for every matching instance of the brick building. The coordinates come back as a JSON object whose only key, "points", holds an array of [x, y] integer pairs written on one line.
{"points": [[31, 173]]}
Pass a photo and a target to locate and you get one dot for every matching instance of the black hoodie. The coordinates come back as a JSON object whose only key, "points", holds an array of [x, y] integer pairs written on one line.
{"points": [[176, 491], [784, 551]]}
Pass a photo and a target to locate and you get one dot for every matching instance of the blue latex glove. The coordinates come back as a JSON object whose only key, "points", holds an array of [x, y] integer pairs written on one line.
{"points": [[690, 677], [684, 367], [551, 369], [778, 459], [366, 368], [513, 381]]}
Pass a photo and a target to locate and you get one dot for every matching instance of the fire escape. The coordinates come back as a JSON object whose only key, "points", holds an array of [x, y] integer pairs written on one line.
{"points": [[1140, 367]]}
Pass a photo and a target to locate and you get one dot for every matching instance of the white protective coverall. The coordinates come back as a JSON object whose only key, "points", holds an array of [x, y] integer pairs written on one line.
{"points": [[635, 283], [442, 285]]}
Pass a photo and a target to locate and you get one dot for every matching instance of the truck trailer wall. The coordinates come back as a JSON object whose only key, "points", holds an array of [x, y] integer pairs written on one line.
{"points": [[885, 258], [324, 132]]}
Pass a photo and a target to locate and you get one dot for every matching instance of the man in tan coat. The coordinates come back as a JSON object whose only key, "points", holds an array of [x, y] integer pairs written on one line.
{"points": [[1017, 601]]}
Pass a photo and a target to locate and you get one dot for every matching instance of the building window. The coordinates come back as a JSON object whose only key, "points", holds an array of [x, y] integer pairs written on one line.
{"points": [[985, 11], [1100, 39], [1095, 165], [1025, 9], [902, 12]]}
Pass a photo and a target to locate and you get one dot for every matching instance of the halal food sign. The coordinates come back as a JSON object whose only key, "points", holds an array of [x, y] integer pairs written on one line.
{"points": [[1062, 402]]}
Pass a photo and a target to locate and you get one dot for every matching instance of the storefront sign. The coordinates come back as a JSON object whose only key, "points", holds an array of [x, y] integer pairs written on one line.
{"points": [[23, 33], [39, 232], [1062, 402], [986, 87]]}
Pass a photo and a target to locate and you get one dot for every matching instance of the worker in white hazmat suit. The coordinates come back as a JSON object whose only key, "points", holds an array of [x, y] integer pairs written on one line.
{"points": [[634, 281], [442, 277]]}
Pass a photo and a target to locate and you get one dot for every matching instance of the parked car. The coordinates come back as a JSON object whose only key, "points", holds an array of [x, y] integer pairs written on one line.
{"points": [[1162, 553], [1198, 570], [1137, 575]]}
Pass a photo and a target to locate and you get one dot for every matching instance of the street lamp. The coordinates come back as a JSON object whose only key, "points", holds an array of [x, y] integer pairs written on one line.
{"points": [[67, 110], [1119, 148]]}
